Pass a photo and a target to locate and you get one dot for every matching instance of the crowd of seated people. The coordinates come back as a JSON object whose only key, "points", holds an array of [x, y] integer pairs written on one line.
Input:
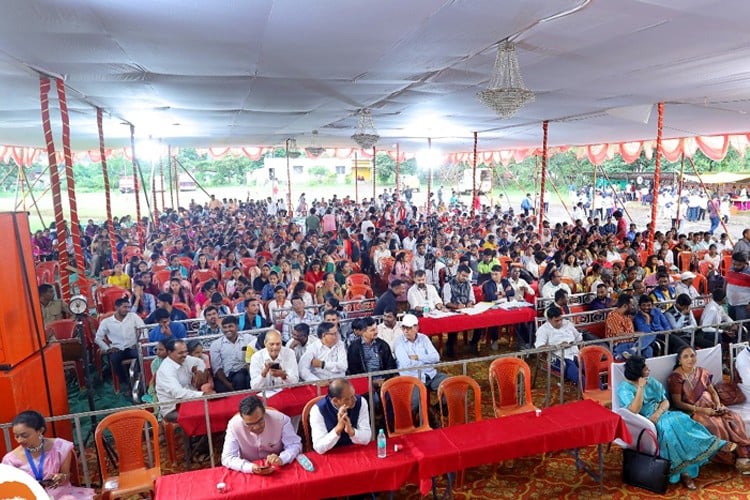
{"points": [[247, 266]]}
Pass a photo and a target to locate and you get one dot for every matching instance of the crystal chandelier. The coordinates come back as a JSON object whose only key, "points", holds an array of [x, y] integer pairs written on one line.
{"points": [[315, 149], [506, 92], [366, 135]]}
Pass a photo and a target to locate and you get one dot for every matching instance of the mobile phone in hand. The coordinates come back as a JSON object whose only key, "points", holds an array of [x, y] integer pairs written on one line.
{"points": [[275, 366]]}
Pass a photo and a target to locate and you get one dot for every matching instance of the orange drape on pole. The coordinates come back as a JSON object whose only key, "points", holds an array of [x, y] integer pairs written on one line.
{"points": [[545, 126], [107, 195], [44, 88], [398, 170], [137, 191], [657, 177], [75, 225], [374, 152]]}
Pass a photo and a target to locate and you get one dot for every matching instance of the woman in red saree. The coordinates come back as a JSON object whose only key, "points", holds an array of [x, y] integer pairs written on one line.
{"points": [[692, 391]]}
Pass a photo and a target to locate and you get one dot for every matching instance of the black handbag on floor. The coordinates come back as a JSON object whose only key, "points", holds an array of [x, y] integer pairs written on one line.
{"points": [[650, 472]]}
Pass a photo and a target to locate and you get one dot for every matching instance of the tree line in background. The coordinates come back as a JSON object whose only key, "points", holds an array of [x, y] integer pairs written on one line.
{"points": [[564, 169]]}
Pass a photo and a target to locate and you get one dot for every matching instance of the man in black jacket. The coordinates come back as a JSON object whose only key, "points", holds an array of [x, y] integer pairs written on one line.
{"points": [[369, 354]]}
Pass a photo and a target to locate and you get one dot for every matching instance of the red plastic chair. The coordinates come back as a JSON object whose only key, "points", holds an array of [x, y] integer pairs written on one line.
{"points": [[203, 275], [106, 296], [306, 434], [684, 259], [504, 374], [357, 291], [358, 279], [455, 392], [64, 332], [700, 283], [592, 362], [397, 392], [129, 251], [704, 267], [161, 277], [184, 308], [726, 263]]}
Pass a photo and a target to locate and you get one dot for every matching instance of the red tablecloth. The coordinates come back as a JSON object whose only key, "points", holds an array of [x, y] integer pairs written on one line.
{"points": [[291, 401], [461, 322], [568, 426], [350, 470]]}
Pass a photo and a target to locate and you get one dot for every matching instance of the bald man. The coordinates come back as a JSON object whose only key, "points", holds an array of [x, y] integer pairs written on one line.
{"points": [[274, 365], [340, 419]]}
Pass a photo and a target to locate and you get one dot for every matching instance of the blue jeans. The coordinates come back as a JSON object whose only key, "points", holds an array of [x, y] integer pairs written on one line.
{"points": [[571, 369], [714, 224]]}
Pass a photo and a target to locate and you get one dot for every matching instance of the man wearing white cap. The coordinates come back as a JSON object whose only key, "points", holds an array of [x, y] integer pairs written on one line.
{"points": [[686, 286], [415, 349]]}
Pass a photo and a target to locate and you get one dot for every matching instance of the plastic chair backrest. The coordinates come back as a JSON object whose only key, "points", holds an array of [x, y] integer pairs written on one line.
{"points": [[726, 263], [684, 259], [306, 434], [594, 361], [700, 283], [570, 282], [203, 275], [358, 279], [126, 428], [397, 392], [504, 373], [704, 267], [455, 390], [62, 329], [355, 290], [183, 307], [161, 277]]}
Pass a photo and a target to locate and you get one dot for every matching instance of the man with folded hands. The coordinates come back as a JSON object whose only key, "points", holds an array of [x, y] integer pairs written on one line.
{"points": [[259, 434], [340, 419]]}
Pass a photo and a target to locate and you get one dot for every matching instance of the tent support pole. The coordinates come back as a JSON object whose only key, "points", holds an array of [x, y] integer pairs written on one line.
{"points": [[657, 178]]}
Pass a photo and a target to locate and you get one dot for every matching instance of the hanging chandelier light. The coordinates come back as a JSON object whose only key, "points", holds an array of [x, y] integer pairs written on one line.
{"points": [[315, 149], [366, 135], [291, 148], [506, 92]]}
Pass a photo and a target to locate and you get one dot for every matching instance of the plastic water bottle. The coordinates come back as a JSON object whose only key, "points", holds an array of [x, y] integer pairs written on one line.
{"points": [[381, 444], [425, 309]]}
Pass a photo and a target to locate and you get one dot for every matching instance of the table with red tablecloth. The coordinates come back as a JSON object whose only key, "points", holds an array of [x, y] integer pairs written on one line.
{"points": [[350, 470], [569, 426], [291, 401], [461, 322]]}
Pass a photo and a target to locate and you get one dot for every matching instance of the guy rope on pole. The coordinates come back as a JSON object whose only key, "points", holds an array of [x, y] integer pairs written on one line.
{"points": [[614, 190], [107, 193], [705, 191], [62, 251]]}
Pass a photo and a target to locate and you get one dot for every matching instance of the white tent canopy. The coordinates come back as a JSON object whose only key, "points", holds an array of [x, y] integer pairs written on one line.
{"points": [[254, 72], [718, 178]]}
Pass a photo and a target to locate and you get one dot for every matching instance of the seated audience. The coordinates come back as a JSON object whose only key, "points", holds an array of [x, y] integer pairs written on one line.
{"points": [[715, 320], [230, 355], [341, 418], [325, 359], [422, 295], [165, 328], [682, 440], [620, 322], [301, 339], [298, 315], [117, 336], [390, 329], [274, 365], [52, 309], [414, 349], [650, 319], [367, 353], [47, 459], [259, 434], [557, 331], [692, 391], [179, 377]]}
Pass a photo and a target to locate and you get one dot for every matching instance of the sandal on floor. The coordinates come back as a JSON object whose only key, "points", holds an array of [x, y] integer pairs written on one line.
{"points": [[729, 447], [687, 481], [742, 465]]}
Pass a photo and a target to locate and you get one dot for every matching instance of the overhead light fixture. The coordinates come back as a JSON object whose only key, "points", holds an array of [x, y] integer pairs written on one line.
{"points": [[315, 149], [291, 148], [366, 135], [506, 92]]}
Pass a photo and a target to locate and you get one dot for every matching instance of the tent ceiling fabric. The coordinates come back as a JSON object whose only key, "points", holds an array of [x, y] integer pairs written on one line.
{"points": [[254, 72]]}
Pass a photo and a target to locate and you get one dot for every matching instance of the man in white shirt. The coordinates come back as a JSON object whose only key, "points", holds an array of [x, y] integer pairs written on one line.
{"points": [[414, 349], [686, 286], [520, 287], [554, 284], [258, 434], [556, 331], [340, 419], [301, 339], [325, 359], [422, 295], [714, 314], [389, 330], [117, 336], [273, 366], [417, 261], [177, 378], [228, 357]]}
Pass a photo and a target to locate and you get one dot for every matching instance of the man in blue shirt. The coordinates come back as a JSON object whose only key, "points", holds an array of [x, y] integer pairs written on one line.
{"points": [[415, 349], [651, 320], [165, 328]]}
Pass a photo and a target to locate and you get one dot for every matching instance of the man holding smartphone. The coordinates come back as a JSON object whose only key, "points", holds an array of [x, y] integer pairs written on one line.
{"points": [[259, 440], [273, 366]]}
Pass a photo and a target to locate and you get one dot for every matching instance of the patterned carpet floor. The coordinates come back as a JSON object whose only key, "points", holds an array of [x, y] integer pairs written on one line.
{"points": [[554, 477]]}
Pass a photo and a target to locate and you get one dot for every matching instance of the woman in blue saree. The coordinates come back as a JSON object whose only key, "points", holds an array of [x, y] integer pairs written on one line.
{"points": [[684, 442]]}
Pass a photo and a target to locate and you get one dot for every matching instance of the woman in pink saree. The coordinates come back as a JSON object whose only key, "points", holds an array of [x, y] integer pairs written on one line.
{"points": [[692, 391]]}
